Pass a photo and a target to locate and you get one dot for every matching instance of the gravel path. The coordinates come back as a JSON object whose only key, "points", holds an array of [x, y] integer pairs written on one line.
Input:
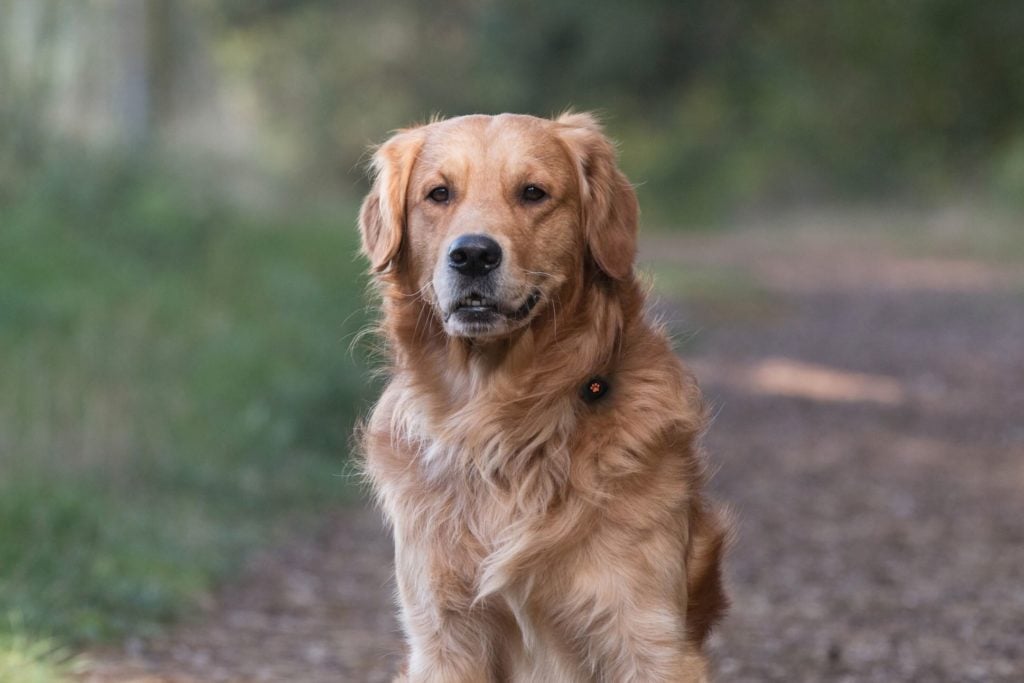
{"points": [[869, 434]]}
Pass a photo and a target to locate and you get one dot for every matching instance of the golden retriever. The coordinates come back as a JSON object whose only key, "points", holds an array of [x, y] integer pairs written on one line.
{"points": [[536, 448]]}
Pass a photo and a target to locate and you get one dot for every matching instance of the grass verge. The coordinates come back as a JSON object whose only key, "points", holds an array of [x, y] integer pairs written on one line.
{"points": [[177, 383], [33, 660]]}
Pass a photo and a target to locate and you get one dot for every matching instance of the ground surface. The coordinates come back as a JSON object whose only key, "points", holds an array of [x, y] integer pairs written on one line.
{"points": [[869, 435]]}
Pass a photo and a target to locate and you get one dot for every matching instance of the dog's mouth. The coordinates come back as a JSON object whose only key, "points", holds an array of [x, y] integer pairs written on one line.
{"points": [[475, 307], [475, 304]]}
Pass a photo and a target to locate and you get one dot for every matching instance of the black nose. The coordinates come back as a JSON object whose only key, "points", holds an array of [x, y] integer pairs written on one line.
{"points": [[474, 255]]}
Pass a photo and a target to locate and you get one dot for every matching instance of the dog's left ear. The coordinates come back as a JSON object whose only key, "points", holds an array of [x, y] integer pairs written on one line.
{"points": [[610, 209], [383, 214]]}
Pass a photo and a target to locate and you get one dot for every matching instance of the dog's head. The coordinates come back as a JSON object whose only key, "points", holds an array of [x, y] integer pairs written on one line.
{"points": [[489, 217]]}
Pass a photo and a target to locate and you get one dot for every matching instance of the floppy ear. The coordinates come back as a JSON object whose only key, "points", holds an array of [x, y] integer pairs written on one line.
{"points": [[610, 210], [383, 214]]}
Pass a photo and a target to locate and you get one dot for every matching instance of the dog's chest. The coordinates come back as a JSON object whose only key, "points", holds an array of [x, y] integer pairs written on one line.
{"points": [[481, 492]]}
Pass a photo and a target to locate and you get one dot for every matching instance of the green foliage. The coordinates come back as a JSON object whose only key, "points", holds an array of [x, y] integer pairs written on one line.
{"points": [[177, 382], [27, 660], [1008, 173]]}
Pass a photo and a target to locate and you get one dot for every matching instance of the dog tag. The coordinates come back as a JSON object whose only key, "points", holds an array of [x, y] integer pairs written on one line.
{"points": [[594, 388]]}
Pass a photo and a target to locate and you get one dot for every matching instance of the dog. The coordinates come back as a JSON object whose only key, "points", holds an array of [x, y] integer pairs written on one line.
{"points": [[536, 450]]}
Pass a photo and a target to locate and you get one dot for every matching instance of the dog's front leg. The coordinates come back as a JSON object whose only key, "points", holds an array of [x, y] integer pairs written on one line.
{"points": [[632, 632], [449, 639]]}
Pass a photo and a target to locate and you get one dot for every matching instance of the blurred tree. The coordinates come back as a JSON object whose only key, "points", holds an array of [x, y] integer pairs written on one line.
{"points": [[127, 72], [719, 103]]}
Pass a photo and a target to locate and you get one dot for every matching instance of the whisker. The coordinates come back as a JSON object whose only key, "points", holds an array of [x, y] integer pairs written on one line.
{"points": [[555, 302], [539, 272], [419, 320], [418, 292]]}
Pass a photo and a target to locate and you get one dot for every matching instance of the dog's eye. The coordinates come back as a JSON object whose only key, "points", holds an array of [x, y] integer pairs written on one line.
{"points": [[439, 194], [532, 193]]}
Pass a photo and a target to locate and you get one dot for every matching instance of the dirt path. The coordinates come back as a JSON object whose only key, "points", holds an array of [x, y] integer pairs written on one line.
{"points": [[869, 433]]}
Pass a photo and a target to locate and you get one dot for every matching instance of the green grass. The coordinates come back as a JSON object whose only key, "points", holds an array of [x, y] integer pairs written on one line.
{"points": [[177, 389], [27, 660]]}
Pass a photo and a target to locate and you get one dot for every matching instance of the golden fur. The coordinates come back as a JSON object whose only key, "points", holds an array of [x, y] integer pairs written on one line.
{"points": [[538, 537]]}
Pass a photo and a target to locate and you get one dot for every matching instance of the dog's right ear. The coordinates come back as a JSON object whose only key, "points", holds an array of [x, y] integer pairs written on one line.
{"points": [[383, 214]]}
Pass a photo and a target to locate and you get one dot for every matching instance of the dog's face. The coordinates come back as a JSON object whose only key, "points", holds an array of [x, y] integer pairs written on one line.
{"points": [[488, 217]]}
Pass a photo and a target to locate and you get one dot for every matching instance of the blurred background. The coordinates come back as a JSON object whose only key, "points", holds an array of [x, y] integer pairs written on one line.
{"points": [[180, 290]]}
